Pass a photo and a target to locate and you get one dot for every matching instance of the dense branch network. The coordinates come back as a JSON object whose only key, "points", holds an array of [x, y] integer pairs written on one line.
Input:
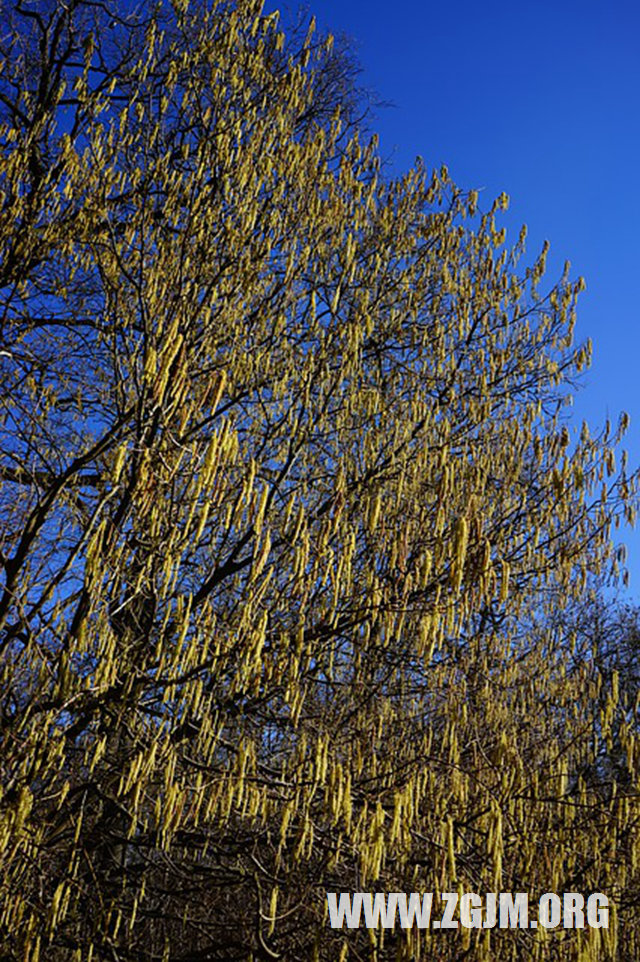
{"points": [[288, 510]]}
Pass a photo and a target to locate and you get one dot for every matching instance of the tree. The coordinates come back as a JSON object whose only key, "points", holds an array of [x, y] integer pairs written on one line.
{"points": [[284, 484]]}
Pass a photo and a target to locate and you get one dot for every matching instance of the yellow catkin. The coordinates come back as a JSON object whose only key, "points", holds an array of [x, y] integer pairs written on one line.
{"points": [[297, 554]]}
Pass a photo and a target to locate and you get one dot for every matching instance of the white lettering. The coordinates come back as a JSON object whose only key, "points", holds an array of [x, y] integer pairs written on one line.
{"points": [[514, 911], [471, 911], [550, 910], [448, 921], [417, 913], [573, 916], [598, 919], [345, 909]]}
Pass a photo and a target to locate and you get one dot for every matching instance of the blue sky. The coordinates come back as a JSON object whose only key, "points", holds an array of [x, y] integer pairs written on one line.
{"points": [[540, 100]]}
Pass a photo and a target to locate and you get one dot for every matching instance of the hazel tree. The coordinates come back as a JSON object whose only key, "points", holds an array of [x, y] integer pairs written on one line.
{"points": [[288, 503]]}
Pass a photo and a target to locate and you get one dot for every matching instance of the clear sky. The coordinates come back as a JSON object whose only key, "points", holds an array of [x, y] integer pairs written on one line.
{"points": [[540, 99]]}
